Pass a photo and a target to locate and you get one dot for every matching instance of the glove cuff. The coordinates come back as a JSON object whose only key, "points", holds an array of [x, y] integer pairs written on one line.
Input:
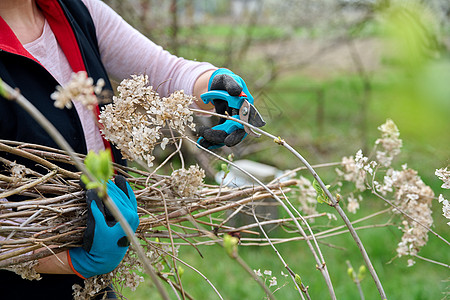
{"points": [[69, 259]]}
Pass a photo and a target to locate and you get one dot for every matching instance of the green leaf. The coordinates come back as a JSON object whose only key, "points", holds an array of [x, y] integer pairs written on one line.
{"points": [[298, 280], [320, 199], [101, 168], [321, 196], [2, 91], [317, 187]]}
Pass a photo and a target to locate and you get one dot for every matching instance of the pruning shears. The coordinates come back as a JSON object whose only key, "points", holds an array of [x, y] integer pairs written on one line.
{"points": [[242, 109]]}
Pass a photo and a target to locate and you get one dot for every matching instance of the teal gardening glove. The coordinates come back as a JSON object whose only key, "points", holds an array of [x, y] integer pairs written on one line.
{"points": [[227, 132], [104, 241]]}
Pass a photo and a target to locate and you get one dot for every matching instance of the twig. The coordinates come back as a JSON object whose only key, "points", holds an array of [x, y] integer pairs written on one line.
{"points": [[431, 261], [242, 263], [37, 159], [192, 268], [285, 265], [175, 269], [28, 185]]}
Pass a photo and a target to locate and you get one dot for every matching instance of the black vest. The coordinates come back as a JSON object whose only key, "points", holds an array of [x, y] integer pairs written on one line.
{"points": [[75, 32], [36, 83]]}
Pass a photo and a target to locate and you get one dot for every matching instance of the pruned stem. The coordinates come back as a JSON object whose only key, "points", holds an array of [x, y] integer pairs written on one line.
{"points": [[333, 201]]}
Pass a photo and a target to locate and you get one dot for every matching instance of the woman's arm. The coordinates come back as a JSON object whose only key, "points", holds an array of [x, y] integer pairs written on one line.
{"points": [[54, 264], [200, 87], [125, 51]]}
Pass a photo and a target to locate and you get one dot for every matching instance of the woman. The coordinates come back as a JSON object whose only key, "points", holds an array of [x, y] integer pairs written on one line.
{"points": [[42, 42]]}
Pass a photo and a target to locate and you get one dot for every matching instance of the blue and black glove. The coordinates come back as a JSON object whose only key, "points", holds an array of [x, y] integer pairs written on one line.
{"points": [[104, 241], [227, 132]]}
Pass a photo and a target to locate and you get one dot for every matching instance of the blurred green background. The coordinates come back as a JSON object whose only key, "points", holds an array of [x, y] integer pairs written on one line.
{"points": [[325, 74]]}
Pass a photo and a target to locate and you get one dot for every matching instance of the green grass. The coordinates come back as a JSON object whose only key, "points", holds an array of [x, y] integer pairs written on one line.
{"points": [[422, 281]]}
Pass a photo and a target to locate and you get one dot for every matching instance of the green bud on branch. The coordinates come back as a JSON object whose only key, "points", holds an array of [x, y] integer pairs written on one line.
{"points": [[230, 244], [351, 273], [100, 166], [180, 271], [362, 272]]}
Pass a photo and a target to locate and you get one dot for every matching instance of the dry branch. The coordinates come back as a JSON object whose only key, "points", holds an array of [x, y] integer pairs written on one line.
{"points": [[53, 211]]}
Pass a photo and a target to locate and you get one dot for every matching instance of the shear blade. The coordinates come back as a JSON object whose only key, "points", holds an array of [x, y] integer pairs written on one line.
{"points": [[254, 117], [248, 113]]}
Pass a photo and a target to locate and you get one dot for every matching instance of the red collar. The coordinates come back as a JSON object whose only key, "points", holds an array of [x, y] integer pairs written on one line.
{"points": [[64, 34], [60, 26]]}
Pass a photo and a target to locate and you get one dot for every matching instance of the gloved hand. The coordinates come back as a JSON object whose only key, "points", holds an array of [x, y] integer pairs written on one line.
{"points": [[227, 132], [104, 241]]}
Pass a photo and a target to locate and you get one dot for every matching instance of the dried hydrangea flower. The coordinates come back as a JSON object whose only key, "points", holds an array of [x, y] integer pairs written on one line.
{"points": [[187, 182], [414, 197], [445, 207], [26, 270], [92, 287], [80, 88], [353, 203], [389, 142], [273, 281], [134, 120], [355, 169], [444, 175], [18, 172]]}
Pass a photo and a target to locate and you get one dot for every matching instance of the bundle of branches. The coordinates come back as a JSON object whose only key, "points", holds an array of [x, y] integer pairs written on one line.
{"points": [[52, 209]]}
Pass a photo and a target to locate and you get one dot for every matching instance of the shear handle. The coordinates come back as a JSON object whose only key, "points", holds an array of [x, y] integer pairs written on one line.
{"points": [[233, 101]]}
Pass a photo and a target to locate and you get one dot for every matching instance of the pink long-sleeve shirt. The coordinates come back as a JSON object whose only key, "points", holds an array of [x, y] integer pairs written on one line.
{"points": [[124, 51]]}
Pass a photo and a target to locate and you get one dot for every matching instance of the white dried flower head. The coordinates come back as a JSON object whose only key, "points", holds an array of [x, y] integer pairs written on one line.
{"points": [[273, 281], [258, 272], [411, 262], [26, 270], [331, 216], [444, 175], [268, 272], [414, 197], [127, 274], [445, 207], [92, 287], [353, 203], [388, 181], [307, 196], [164, 143], [187, 182], [18, 172], [134, 120], [389, 142], [80, 88], [355, 169]]}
